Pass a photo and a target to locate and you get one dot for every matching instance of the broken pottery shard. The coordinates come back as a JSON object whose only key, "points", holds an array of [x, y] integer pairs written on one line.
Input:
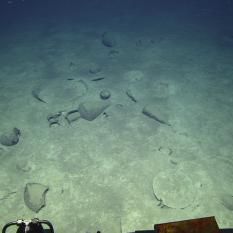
{"points": [[90, 110], [227, 201], [130, 95], [36, 93], [72, 116], [34, 196], [156, 114]]}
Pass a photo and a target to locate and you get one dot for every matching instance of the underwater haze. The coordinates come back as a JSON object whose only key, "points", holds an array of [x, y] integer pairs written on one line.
{"points": [[116, 115]]}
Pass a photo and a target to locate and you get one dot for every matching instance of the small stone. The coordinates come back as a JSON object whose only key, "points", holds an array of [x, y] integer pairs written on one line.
{"points": [[134, 76], [108, 40], [113, 53], [11, 138], [23, 166], [105, 94], [94, 69]]}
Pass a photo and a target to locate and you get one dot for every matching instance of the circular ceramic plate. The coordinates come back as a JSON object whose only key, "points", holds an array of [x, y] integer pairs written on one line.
{"points": [[63, 91], [175, 188]]}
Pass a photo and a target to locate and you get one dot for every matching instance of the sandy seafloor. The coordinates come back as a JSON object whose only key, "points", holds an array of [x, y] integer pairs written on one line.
{"points": [[101, 173]]}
